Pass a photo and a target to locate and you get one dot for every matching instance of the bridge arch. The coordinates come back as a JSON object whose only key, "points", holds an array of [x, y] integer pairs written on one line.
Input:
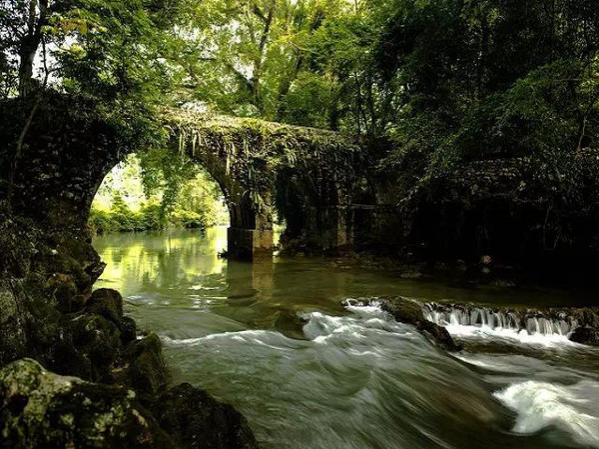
{"points": [[254, 161], [67, 156]]}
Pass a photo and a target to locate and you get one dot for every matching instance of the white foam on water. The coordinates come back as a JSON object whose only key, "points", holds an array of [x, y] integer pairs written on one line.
{"points": [[574, 409], [518, 336], [485, 324], [364, 368], [256, 336], [202, 287], [371, 310], [321, 327], [360, 380]]}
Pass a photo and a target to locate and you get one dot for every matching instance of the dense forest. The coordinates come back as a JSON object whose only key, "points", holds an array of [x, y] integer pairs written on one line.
{"points": [[444, 80], [443, 150]]}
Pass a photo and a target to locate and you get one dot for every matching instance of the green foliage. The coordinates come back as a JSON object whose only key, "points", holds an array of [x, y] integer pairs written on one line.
{"points": [[482, 80], [108, 51], [149, 218], [188, 219], [102, 58], [449, 82], [304, 62], [123, 204], [167, 171]]}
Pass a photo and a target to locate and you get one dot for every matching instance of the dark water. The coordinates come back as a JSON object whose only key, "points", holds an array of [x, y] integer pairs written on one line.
{"points": [[274, 340]]}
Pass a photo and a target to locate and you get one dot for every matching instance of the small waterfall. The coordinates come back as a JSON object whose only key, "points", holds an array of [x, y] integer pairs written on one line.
{"points": [[533, 323]]}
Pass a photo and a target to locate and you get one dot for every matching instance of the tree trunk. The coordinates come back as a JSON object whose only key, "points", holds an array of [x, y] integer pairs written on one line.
{"points": [[26, 56], [28, 48], [257, 76]]}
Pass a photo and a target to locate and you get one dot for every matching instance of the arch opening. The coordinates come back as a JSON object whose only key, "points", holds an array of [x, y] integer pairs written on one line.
{"points": [[136, 195]]}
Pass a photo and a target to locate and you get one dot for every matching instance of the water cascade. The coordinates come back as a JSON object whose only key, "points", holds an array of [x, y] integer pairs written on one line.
{"points": [[531, 322]]}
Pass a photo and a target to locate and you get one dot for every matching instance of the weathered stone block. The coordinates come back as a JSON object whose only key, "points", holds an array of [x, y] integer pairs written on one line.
{"points": [[248, 244]]}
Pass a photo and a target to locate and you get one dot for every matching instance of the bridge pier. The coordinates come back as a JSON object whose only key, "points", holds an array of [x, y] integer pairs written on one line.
{"points": [[250, 244], [250, 236]]}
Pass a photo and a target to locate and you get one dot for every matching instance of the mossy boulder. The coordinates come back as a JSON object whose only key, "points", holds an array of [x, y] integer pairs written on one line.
{"points": [[65, 293], [90, 348], [201, 422], [586, 336], [68, 256], [146, 372], [107, 303], [39, 409], [408, 311], [291, 325]]}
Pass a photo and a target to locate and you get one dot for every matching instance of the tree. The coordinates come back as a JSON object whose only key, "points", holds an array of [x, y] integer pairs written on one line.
{"points": [[245, 57], [478, 78]]}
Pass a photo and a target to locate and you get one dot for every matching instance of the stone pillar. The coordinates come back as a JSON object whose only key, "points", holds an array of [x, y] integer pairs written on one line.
{"points": [[250, 244]]}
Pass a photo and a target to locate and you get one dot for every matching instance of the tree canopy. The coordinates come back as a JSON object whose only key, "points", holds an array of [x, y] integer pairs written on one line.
{"points": [[446, 81]]}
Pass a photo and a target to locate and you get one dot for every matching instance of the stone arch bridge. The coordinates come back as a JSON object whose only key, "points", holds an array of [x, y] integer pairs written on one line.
{"points": [[308, 175]]}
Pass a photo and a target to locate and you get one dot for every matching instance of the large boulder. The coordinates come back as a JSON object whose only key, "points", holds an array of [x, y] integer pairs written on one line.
{"points": [[408, 311], [98, 340], [39, 409], [198, 421], [107, 303]]}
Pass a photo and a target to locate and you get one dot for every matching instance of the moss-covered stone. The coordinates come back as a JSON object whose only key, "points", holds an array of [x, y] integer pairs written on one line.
{"points": [[39, 409], [201, 422], [68, 258], [65, 293], [13, 339], [90, 347], [147, 372], [409, 311], [107, 303]]}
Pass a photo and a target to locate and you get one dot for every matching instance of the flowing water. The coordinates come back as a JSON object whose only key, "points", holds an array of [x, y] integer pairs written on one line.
{"points": [[276, 341]]}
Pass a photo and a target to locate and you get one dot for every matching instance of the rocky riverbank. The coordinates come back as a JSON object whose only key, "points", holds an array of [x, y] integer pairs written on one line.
{"points": [[76, 372]]}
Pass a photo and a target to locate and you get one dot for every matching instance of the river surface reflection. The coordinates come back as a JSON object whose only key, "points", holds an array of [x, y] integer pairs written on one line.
{"points": [[275, 340]]}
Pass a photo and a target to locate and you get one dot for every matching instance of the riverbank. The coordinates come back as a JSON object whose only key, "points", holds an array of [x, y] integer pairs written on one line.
{"points": [[75, 371], [484, 276], [225, 327]]}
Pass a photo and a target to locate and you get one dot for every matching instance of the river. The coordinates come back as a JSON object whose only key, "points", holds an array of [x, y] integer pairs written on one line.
{"points": [[281, 343]]}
